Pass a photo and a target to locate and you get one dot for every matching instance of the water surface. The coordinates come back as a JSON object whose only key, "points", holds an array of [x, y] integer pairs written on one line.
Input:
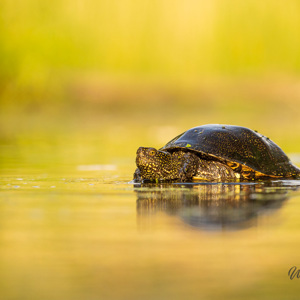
{"points": [[83, 232]]}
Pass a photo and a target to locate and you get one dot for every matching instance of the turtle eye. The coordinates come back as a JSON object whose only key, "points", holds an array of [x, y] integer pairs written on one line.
{"points": [[151, 152]]}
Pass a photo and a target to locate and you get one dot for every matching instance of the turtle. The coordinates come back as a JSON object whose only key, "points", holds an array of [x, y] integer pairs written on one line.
{"points": [[215, 152]]}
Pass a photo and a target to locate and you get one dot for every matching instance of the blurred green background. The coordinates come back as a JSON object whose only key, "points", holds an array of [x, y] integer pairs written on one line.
{"points": [[122, 74]]}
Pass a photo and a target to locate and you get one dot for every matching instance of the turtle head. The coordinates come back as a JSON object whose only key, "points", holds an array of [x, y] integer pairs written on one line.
{"points": [[154, 164]]}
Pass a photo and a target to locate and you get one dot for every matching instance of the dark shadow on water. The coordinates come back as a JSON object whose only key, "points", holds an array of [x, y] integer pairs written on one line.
{"points": [[213, 206]]}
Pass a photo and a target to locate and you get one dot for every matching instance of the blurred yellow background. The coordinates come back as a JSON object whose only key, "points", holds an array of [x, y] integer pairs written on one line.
{"points": [[139, 72], [83, 84]]}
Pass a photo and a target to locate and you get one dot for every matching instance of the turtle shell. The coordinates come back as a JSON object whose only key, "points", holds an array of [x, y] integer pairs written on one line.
{"points": [[228, 143]]}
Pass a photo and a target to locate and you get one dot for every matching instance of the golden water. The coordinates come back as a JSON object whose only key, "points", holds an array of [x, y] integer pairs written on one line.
{"points": [[84, 232]]}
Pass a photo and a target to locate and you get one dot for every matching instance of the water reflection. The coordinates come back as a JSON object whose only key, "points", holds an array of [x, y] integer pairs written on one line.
{"points": [[214, 206]]}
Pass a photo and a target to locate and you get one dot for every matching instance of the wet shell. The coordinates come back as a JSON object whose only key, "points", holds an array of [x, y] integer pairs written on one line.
{"points": [[235, 145]]}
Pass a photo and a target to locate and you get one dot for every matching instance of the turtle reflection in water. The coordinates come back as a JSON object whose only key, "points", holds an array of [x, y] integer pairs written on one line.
{"points": [[213, 206], [214, 152]]}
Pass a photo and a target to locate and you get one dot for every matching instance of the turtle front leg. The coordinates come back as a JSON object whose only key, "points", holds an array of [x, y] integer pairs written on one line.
{"points": [[189, 166], [137, 175]]}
